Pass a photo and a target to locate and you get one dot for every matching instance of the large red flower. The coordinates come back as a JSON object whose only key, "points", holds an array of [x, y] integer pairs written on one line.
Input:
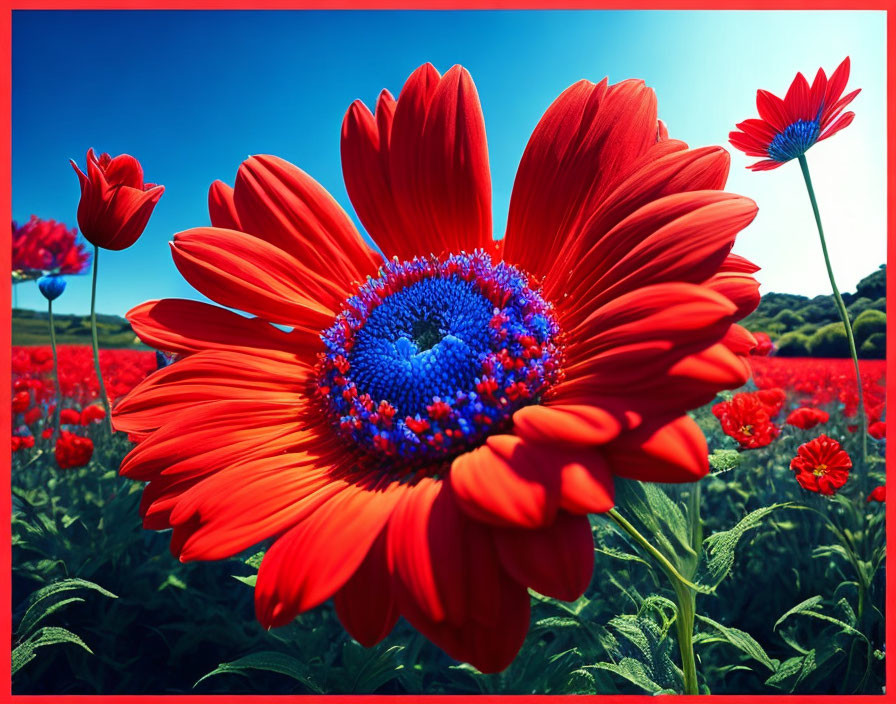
{"points": [[821, 465], [789, 127], [428, 438]]}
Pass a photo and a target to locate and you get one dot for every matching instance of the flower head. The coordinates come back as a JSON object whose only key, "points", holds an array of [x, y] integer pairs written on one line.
{"points": [[429, 436], [51, 286], [72, 450], [878, 493], [115, 202], [20, 442], [41, 247], [789, 127], [821, 465], [806, 417], [878, 430], [91, 413], [764, 345], [747, 419]]}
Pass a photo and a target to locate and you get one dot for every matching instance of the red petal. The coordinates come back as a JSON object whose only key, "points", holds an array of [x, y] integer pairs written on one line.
{"points": [[245, 272], [773, 110], [576, 424], [182, 326], [797, 99], [221, 209], [585, 143], [283, 205], [364, 605], [675, 452], [508, 482], [556, 561], [313, 560]]}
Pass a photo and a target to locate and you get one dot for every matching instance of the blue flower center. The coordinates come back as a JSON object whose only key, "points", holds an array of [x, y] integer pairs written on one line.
{"points": [[433, 356], [794, 141]]}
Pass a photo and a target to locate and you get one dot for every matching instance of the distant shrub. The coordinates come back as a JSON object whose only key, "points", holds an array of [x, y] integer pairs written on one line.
{"points": [[874, 285], [857, 306], [807, 329], [792, 344], [829, 341], [875, 347], [880, 304], [867, 324], [789, 318]]}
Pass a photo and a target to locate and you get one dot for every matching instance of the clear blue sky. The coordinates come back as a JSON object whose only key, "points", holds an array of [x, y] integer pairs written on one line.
{"points": [[191, 94]]}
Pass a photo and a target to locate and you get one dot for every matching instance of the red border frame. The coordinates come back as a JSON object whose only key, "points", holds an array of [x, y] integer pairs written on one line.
{"points": [[6, 8]]}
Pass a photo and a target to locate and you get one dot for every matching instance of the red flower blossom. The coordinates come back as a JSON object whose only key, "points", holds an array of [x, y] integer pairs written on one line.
{"points": [[21, 401], [878, 430], [92, 413], [879, 494], [806, 418], [32, 415], [20, 442], [424, 481], [46, 433], [45, 246], [789, 127], [764, 345], [70, 416], [821, 465], [772, 399], [72, 450], [115, 202], [746, 419]]}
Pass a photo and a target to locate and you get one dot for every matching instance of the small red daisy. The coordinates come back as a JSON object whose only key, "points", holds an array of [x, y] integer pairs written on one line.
{"points": [[806, 417], [821, 465], [746, 419]]}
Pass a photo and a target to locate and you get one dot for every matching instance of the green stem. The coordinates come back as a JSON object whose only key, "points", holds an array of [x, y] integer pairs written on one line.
{"points": [[96, 346], [841, 308], [685, 597], [55, 369]]}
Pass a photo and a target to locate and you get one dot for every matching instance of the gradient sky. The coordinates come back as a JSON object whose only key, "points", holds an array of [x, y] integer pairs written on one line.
{"points": [[191, 94]]}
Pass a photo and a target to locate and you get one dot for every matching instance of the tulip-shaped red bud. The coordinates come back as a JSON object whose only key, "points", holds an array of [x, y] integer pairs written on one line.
{"points": [[115, 202]]}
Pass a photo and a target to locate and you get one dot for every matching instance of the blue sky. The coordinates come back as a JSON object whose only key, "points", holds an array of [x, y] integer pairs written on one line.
{"points": [[191, 94]]}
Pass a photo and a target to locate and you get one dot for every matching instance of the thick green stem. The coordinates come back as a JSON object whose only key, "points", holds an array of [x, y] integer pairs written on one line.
{"points": [[841, 308], [96, 345], [55, 369], [685, 597]]}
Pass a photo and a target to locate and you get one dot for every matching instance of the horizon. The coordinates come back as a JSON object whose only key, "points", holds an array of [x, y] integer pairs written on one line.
{"points": [[191, 113]]}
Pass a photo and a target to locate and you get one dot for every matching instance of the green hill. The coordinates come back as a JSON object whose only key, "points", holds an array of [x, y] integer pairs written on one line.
{"points": [[30, 327], [811, 327]]}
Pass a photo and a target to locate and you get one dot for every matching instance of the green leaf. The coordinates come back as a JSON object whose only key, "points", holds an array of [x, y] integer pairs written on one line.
{"points": [[724, 460], [48, 635], [43, 602], [717, 557], [659, 519], [270, 661], [255, 560], [250, 580], [807, 608], [743, 641], [370, 668]]}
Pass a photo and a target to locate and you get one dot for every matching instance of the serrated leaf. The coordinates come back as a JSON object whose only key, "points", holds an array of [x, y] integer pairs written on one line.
{"points": [[717, 557], [41, 602], [25, 652], [254, 561], [268, 660], [743, 641], [370, 668], [724, 460]]}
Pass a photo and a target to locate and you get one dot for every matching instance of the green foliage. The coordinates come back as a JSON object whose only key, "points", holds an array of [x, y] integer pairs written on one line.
{"points": [[829, 341], [793, 344], [789, 319], [875, 347], [868, 323], [30, 327], [874, 285]]}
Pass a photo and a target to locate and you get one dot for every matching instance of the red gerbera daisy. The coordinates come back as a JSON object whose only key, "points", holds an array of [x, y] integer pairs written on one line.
{"points": [[746, 419], [807, 418], [789, 127], [430, 436], [772, 399], [821, 465], [764, 345]]}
